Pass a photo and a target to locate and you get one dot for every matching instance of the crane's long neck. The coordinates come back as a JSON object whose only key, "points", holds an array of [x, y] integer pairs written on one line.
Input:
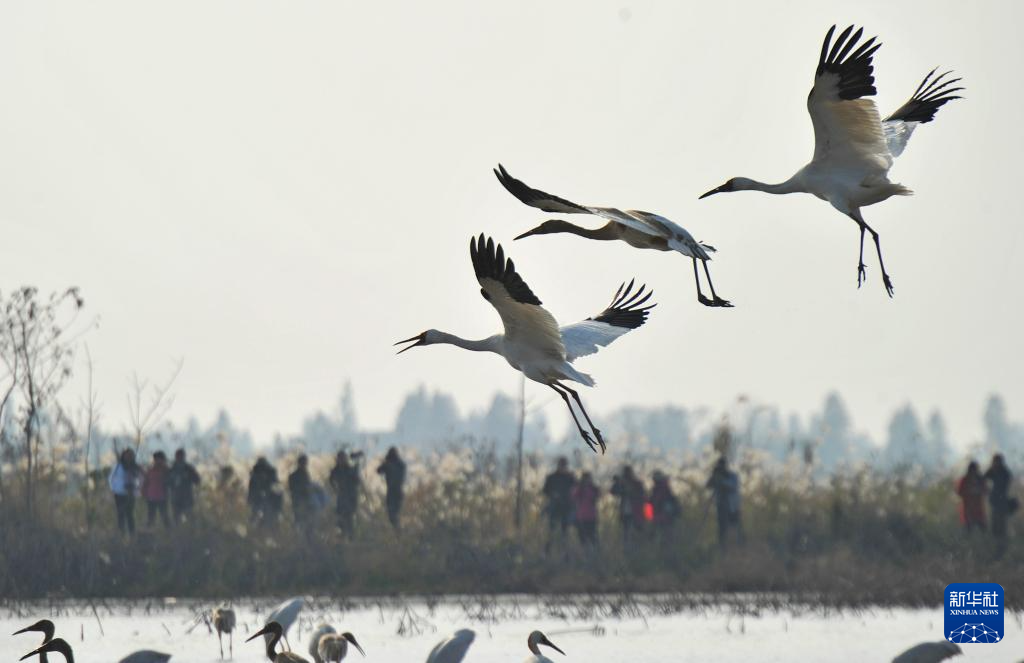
{"points": [[272, 645], [792, 185], [606, 232], [489, 344]]}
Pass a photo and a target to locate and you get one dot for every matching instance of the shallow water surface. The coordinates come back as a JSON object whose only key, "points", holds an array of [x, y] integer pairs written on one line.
{"points": [[403, 632]]}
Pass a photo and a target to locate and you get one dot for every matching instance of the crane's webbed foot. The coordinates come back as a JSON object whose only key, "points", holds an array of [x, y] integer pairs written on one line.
{"points": [[589, 440], [600, 440], [862, 273], [721, 303]]}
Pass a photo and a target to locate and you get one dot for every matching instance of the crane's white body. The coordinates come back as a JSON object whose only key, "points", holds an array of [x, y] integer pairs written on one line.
{"points": [[854, 149], [453, 648], [929, 652], [533, 343], [285, 614]]}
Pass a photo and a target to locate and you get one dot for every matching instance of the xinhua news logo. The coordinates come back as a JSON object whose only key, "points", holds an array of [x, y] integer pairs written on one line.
{"points": [[974, 612]]}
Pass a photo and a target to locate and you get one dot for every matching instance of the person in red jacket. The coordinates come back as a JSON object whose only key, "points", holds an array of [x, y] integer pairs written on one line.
{"points": [[584, 497], [972, 490], [154, 489]]}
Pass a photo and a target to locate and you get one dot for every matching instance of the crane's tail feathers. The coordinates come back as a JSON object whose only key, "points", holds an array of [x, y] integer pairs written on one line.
{"points": [[577, 376], [708, 247], [900, 190]]}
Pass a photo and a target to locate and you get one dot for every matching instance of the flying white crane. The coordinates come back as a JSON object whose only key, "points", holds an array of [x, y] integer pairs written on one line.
{"points": [[929, 652], [641, 230], [853, 147], [453, 648], [532, 342], [537, 638]]}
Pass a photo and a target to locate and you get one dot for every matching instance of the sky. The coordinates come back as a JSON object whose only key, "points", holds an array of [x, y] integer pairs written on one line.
{"points": [[275, 192]]}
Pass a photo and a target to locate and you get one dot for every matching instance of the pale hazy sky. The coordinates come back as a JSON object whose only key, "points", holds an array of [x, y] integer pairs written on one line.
{"points": [[277, 191]]}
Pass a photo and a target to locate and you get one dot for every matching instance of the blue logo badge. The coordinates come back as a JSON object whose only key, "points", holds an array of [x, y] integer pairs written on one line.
{"points": [[974, 612]]}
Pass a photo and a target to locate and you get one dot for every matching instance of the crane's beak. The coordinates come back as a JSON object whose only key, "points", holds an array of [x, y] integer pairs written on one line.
{"points": [[418, 341], [35, 652], [547, 642], [718, 189], [262, 631], [526, 234], [27, 629], [351, 638]]}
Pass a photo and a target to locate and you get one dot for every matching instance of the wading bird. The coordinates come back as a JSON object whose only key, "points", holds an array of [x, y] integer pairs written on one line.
{"points": [[853, 148], [275, 631], [537, 638], [314, 640], [641, 230], [61, 646], [532, 342], [453, 648], [333, 646], [224, 622], [929, 652], [44, 626], [285, 614]]}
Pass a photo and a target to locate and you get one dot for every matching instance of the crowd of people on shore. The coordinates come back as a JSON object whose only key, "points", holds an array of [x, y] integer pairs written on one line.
{"points": [[163, 486], [571, 501]]}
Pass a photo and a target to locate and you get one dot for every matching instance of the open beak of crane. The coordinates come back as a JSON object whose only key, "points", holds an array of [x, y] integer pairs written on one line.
{"points": [[351, 638], [415, 340], [547, 642]]}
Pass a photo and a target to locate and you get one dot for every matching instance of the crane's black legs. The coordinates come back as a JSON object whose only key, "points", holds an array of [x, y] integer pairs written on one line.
{"points": [[597, 433], [716, 300], [855, 215], [563, 392]]}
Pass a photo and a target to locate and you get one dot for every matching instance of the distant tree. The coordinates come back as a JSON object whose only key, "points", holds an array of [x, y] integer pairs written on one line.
{"points": [[148, 404], [426, 417], [37, 339], [938, 441], [906, 446]]}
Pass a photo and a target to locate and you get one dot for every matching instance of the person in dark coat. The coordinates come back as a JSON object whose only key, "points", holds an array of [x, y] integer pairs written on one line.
{"points": [[632, 499], [344, 479], [182, 480], [263, 500], [999, 499], [393, 470], [300, 488], [558, 494], [725, 488], [665, 506]]}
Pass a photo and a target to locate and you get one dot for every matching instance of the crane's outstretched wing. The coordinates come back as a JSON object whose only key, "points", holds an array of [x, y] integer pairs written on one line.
{"points": [[521, 312], [626, 312], [920, 108], [643, 222], [847, 127]]}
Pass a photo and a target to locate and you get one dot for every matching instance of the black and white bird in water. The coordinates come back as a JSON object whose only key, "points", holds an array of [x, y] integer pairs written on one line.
{"points": [[641, 230], [533, 343], [853, 147]]}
